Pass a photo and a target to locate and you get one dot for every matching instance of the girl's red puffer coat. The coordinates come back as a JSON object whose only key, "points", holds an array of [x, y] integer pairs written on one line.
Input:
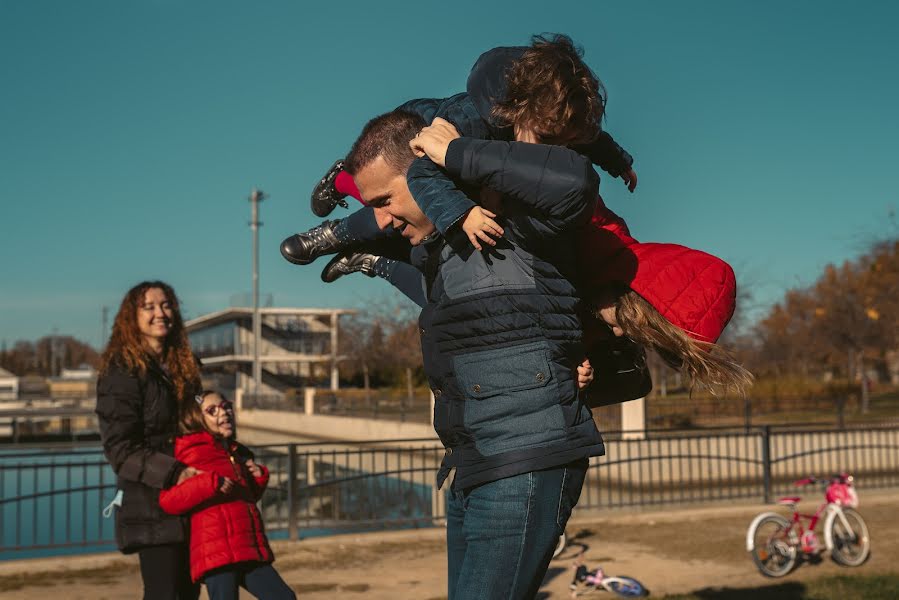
{"points": [[224, 529]]}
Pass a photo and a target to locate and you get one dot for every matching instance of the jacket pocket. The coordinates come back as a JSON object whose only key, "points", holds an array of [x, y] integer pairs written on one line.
{"points": [[509, 402]]}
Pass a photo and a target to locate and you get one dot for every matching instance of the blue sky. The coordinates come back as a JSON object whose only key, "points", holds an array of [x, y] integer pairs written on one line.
{"points": [[131, 133]]}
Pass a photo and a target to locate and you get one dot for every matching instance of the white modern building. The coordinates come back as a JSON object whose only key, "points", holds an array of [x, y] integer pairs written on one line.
{"points": [[298, 348], [9, 386]]}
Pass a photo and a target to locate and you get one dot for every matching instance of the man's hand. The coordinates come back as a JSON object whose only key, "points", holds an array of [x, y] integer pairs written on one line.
{"points": [[433, 141], [630, 179], [254, 469], [187, 473], [584, 374], [479, 223]]}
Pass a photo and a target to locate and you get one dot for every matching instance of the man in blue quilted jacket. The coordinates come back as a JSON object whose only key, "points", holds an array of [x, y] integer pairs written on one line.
{"points": [[501, 341]]}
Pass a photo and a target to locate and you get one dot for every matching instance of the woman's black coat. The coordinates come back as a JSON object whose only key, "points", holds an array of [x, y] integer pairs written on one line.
{"points": [[138, 418]]}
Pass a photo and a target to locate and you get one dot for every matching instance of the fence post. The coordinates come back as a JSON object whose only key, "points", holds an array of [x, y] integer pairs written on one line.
{"points": [[747, 414], [292, 533], [766, 462]]}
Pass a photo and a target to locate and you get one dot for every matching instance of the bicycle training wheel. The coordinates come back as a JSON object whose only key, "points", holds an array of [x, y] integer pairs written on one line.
{"points": [[624, 587], [774, 546], [851, 543]]}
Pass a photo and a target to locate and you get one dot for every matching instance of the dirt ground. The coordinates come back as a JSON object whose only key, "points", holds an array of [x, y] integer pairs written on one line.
{"points": [[669, 551]]}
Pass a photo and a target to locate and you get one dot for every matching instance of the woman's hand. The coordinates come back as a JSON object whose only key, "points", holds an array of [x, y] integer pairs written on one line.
{"points": [[434, 140], [253, 468], [584, 374], [186, 474], [479, 223], [226, 486]]}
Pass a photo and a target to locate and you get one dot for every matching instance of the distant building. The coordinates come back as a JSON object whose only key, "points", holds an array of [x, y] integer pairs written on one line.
{"points": [[74, 383], [9, 386], [298, 347]]}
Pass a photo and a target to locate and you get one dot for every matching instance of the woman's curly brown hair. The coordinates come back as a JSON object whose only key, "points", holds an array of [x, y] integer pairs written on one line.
{"points": [[552, 91], [127, 348]]}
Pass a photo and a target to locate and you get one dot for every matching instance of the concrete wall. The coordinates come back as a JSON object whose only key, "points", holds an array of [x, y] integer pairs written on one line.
{"points": [[280, 426]]}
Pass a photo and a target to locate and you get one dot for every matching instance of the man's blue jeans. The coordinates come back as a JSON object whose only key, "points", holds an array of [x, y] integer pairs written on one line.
{"points": [[501, 535]]}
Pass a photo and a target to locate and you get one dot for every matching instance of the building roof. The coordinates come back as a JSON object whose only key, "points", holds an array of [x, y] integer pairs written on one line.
{"points": [[5, 373], [230, 314]]}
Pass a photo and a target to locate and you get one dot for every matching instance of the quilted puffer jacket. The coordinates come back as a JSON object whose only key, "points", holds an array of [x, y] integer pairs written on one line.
{"points": [[501, 334], [138, 417], [224, 529], [694, 290]]}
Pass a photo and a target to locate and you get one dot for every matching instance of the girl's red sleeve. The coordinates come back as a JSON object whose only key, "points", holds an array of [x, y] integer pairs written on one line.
{"points": [[261, 482], [188, 494]]}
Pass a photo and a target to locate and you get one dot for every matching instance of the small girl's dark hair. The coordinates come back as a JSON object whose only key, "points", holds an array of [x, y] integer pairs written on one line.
{"points": [[192, 414]]}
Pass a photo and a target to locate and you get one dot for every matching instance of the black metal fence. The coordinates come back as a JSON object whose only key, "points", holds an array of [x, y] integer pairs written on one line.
{"points": [[52, 500]]}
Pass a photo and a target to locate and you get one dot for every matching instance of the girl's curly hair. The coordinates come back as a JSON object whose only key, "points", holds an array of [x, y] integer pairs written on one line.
{"points": [[127, 348], [552, 91]]}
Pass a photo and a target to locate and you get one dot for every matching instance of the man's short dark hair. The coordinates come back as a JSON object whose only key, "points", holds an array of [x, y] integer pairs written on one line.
{"points": [[386, 135]]}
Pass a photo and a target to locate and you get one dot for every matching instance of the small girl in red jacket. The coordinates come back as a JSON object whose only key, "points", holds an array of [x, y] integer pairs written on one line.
{"points": [[228, 547]]}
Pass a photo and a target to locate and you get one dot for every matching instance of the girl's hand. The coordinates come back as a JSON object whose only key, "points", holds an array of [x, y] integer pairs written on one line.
{"points": [[186, 474], [254, 469], [479, 223], [226, 485], [434, 140], [584, 374]]}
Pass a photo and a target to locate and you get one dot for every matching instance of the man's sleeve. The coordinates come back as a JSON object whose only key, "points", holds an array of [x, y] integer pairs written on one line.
{"points": [[558, 183], [605, 153], [436, 194], [120, 416]]}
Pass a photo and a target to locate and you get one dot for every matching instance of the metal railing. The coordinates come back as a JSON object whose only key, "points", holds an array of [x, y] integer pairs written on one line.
{"points": [[53, 500]]}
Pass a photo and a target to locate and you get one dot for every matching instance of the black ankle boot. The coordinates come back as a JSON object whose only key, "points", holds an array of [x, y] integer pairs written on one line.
{"points": [[303, 248], [325, 196], [344, 264]]}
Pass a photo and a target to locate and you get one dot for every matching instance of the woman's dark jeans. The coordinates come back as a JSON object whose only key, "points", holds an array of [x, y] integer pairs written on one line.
{"points": [[501, 535], [166, 573]]}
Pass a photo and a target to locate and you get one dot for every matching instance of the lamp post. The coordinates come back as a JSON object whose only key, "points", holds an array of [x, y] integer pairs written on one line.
{"points": [[256, 196]]}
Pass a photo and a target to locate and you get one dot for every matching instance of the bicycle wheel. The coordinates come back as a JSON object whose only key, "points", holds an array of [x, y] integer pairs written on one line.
{"points": [[624, 587], [560, 546], [849, 538], [773, 547]]}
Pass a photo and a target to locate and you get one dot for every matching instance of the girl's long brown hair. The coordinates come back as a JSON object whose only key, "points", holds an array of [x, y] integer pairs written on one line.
{"points": [[704, 362], [127, 348]]}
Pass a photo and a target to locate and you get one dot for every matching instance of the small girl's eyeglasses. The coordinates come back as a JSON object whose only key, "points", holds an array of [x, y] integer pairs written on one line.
{"points": [[213, 411]]}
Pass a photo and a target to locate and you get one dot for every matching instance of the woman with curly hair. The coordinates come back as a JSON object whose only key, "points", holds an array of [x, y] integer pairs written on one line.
{"points": [[146, 373]]}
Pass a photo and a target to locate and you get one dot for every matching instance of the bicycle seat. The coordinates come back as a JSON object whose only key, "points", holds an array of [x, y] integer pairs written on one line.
{"points": [[789, 500]]}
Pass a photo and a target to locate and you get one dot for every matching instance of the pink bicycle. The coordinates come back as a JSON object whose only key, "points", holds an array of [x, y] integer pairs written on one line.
{"points": [[775, 542], [587, 581]]}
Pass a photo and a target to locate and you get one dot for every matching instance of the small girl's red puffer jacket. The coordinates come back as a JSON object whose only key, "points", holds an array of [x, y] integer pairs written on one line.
{"points": [[224, 529]]}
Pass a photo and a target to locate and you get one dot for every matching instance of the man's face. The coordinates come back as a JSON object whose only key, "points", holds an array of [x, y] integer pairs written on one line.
{"points": [[386, 191]]}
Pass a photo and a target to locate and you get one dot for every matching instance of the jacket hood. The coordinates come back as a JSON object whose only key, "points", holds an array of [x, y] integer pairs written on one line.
{"points": [[694, 290], [487, 80], [200, 438]]}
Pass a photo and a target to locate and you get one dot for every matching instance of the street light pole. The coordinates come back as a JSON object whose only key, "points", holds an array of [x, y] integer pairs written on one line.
{"points": [[256, 196]]}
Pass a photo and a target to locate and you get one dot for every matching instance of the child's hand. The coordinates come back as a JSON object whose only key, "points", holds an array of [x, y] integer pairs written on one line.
{"points": [[226, 485], [479, 223], [630, 180], [254, 469], [434, 140], [584, 374]]}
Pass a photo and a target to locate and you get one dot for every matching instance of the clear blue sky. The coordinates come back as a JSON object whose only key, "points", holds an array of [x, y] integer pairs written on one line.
{"points": [[132, 132]]}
